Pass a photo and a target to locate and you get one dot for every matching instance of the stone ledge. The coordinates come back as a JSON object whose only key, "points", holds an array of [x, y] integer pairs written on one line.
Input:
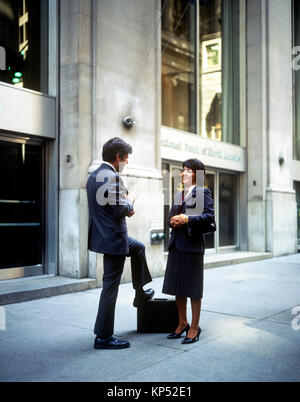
{"points": [[27, 289], [238, 257]]}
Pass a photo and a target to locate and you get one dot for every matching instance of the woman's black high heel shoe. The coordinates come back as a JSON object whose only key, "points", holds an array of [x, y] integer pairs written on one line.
{"points": [[175, 335], [187, 340]]}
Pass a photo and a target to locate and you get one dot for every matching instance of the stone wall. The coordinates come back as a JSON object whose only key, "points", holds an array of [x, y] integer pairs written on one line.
{"points": [[271, 198], [110, 68]]}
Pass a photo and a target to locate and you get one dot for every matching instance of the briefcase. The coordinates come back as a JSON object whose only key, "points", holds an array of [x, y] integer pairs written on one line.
{"points": [[157, 316]]}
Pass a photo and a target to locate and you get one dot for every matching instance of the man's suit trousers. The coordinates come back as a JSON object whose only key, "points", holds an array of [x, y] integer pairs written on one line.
{"points": [[113, 268]]}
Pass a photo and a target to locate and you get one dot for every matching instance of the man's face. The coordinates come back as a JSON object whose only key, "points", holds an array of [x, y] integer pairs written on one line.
{"points": [[122, 162]]}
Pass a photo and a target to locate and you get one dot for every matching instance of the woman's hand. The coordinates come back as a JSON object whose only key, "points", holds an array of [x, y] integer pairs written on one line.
{"points": [[179, 220]]}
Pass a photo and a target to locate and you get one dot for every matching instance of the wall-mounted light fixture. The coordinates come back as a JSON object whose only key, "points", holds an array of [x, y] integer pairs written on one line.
{"points": [[128, 122]]}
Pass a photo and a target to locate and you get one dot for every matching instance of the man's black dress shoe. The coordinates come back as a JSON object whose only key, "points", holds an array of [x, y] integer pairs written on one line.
{"points": [[110, 343], [187, 340], [175, 335], [142, 297]]}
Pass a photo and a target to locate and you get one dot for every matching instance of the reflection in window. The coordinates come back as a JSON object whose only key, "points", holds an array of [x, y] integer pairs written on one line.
{"points": [[210, 54], [217, 70], [23, 35], [178, 64]]}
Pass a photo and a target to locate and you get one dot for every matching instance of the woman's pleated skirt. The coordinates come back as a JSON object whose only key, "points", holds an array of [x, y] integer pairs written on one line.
{"points": [[184, 274]]}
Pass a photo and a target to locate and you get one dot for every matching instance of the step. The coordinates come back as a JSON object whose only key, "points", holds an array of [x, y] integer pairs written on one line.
{"points": [[236, 257], [26, 289]]}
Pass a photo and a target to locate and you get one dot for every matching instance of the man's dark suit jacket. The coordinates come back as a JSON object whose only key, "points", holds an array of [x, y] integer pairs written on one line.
{"points": [[108, 207], [190, 238]]}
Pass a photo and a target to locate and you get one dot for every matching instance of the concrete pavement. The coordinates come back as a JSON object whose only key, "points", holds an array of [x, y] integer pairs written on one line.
{"points": [[247, 333]]}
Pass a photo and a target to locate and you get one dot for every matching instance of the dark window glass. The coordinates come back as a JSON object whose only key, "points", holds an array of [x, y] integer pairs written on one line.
{"points": [[21, 25], [227, 209], [21, 228], [297, 189]]}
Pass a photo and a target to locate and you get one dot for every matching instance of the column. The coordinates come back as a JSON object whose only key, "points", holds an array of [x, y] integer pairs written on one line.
{"points": [[127, 62], [76, 72], [271, 198]]}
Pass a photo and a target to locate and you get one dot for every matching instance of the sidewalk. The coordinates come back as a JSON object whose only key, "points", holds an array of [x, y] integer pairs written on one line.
{"points": [[246, 322]]}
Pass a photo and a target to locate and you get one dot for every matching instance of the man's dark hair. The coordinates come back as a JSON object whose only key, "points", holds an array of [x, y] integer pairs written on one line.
{"points": [[194, 164], [113, 147]]}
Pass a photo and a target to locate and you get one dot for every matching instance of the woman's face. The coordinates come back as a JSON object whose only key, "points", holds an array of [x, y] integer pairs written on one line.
{"points": [[188, 177]]}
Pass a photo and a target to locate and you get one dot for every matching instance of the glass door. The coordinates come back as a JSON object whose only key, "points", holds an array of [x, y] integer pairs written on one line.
{"points": [[21, 208], [171, 185]]}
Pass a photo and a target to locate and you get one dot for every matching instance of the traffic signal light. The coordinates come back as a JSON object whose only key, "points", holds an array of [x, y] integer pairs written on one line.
{"points": [[14, 67]]}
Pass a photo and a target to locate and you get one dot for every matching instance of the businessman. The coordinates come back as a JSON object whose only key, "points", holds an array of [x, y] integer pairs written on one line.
{"points": [[109, 205]]}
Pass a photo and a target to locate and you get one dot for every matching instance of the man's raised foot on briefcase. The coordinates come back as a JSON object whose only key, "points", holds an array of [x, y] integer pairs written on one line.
{"points": [[142, 296]]}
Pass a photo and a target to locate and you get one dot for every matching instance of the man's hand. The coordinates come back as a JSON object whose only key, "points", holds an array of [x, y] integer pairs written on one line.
{"points": [[179, 220], [131, 214], [132, 196]]}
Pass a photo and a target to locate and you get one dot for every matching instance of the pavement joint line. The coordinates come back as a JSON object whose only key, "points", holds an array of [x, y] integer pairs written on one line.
{"points": [[274, 314], [231, 314], [278, 322]]}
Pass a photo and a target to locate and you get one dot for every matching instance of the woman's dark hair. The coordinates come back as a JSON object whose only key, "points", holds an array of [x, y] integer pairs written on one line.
{"points": [[113, 147], [194, 164]]}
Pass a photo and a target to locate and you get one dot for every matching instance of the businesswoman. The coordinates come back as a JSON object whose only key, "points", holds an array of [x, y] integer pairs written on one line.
{"points": [[184, 272]]}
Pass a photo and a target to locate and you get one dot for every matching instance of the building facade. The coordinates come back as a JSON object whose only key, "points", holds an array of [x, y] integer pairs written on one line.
{"points": [[209, 79]]}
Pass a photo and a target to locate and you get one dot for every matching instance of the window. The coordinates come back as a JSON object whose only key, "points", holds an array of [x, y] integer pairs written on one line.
{"points": [[178, 66], [21, 25], [210, 65], [200, 68]]}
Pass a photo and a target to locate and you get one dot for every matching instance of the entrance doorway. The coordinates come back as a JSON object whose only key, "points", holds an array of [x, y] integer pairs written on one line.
{"points": [[21, 207], [224, 188]]}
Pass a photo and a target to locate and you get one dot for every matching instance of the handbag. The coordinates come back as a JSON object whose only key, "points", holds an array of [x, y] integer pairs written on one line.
{"points": [[208, 227]]}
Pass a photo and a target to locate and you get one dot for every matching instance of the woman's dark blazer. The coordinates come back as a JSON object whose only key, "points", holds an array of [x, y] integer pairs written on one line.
{"points": [[189, 238]]}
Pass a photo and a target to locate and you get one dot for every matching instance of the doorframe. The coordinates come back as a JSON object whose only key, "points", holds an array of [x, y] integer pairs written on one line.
{"points": [[49, 208], [216, 172]]}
